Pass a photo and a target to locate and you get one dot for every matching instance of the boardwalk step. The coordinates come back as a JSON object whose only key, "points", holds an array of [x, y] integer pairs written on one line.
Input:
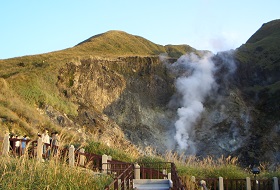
{"points": [[152, 184]]}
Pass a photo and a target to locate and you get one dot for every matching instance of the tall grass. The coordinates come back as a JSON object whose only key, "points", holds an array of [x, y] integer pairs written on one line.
{"points": [[210, 167], [24, 173]]}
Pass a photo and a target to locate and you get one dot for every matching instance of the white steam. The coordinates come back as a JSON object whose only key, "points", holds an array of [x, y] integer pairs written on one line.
{"points": [[193, 87]]}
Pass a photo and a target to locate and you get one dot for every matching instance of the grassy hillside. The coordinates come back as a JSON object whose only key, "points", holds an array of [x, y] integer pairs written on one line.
{"points": [[263, 48], [28, 83], [118, 43], [259, 67]]}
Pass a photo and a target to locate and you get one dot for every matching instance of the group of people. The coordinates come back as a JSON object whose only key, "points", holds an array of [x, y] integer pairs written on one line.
{"points": [[50, 143], [19, 145]]}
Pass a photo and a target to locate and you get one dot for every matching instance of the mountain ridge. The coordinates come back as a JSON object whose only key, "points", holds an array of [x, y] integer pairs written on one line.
{"points": [[120, 42]]}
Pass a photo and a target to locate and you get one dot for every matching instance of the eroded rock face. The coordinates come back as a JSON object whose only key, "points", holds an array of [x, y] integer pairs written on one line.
{"points": [[130, 92], [127, 101], [91, 83]]}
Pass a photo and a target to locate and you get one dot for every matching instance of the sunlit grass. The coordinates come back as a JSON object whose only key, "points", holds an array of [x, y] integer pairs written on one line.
{"points": [[23, 173]]}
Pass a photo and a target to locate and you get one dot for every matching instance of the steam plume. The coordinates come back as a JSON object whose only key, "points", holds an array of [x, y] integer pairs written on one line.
{"points": [[195, 84]]}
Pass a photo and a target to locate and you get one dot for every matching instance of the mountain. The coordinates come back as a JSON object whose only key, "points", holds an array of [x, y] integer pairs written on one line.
{"points": [[120, 89], [69, 90]]}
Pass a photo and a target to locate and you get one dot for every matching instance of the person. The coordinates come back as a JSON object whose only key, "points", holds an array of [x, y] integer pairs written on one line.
{"points": [[35, 144], [46, 142], [23, 144], [51, 137], [12, 142], [17, 145], [55, 142]]}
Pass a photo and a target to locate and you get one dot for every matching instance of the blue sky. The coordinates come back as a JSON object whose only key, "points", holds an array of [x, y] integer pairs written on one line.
{"points": [[34, 27]]}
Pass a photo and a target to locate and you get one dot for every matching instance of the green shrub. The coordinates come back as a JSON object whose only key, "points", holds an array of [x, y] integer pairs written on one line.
{"points": [[99, 148]]}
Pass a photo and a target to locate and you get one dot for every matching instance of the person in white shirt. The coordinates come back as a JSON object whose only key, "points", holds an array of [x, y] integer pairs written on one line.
{"points": [[46, 142], [17, 144]]}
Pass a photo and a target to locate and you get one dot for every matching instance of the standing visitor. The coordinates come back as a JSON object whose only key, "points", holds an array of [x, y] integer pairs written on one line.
{"points": [[55, 142], [23, 144], [12, 144], [17, 145], [46, 142]]}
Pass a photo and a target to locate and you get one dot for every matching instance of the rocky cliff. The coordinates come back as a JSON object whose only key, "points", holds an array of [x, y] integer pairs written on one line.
{"points": [[131, 91]]}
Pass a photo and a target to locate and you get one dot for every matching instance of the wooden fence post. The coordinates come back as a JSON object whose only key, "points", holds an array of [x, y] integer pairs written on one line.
{"points": [[40, 149], [248, 183], [6, 145], [136, 171], [104, 163], [169, 176], [71, 156], [82, 157], [109, 165], [110, 158], [221, 183], [275, 183]]}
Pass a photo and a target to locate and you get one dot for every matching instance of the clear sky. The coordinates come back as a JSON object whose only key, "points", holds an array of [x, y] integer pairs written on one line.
{"points": [[33, 27]]}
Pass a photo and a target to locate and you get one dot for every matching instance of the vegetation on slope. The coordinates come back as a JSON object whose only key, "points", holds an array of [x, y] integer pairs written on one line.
{"points": [[30, 81], [259, 67], [118, 43], [23, 173], [263, 47]]}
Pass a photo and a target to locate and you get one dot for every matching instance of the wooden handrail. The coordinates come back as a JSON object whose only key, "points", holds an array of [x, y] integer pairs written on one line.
{"points": [[148, 171], [126, 178], [233, 184], [154, 170], [92, 161], [176, 179]]}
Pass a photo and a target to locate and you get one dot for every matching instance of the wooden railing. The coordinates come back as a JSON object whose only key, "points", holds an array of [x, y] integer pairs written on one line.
{"points": [[262, 184], [156, 170], [17, 151], [237, 184], [123, 174], [116, 167], [211, 183], [91, 161], [176, 179]]}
